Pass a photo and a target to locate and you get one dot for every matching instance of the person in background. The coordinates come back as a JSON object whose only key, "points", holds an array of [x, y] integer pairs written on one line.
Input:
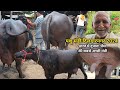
{"points": [[37, 25], [81, 25]]}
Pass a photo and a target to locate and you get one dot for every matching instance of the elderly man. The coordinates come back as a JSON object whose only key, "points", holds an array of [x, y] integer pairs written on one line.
{"points": [[101, 25]]}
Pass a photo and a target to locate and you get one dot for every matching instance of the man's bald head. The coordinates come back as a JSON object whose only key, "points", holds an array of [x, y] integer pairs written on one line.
{"points": [[101, 24], [104, 13]]}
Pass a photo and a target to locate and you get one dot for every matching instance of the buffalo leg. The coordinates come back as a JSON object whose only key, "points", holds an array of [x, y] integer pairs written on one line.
{"points": [[52, 76], [83, 71], [3, 66], [101, 74], [69, 75], [61, 45], [109, 69], [18, 67], [49, 76], [66, 46], [9, 66], [48, 45]]}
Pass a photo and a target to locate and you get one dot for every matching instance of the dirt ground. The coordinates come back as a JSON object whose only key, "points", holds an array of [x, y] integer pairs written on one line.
{"points": [[34, 71]]}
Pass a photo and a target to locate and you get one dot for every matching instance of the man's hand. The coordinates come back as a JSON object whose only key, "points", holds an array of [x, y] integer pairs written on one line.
{"points": [[29, 21]]}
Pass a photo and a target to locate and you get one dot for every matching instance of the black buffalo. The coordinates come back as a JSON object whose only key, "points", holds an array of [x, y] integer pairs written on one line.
{"points": [[14, 37], [56, 28], [54, 61]]}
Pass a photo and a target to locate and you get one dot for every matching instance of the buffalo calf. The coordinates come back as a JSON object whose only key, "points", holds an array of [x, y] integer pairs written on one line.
{"points": [[54, 61]]}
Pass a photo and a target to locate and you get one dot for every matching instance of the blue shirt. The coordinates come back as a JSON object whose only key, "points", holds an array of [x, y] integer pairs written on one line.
{"points": [[38, 23]]}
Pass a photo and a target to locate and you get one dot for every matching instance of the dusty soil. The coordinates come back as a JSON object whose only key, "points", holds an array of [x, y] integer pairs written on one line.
{"points": [[34, 71]]}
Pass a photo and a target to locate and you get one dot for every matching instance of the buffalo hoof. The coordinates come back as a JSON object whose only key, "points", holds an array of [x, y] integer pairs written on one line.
{"points": [[22, 76], [100, 77], [86, 77]]}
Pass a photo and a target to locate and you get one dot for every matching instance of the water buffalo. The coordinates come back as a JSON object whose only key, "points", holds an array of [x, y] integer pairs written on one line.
{"points": [[54, 61], [56, 28], [14, 37]]}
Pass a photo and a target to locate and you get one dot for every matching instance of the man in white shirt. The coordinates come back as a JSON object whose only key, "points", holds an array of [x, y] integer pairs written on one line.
{"points": [[81, 25]]}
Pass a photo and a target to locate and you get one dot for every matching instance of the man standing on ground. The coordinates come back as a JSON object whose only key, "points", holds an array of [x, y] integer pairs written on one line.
{"points": [[37, 25], [81, 25]]}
